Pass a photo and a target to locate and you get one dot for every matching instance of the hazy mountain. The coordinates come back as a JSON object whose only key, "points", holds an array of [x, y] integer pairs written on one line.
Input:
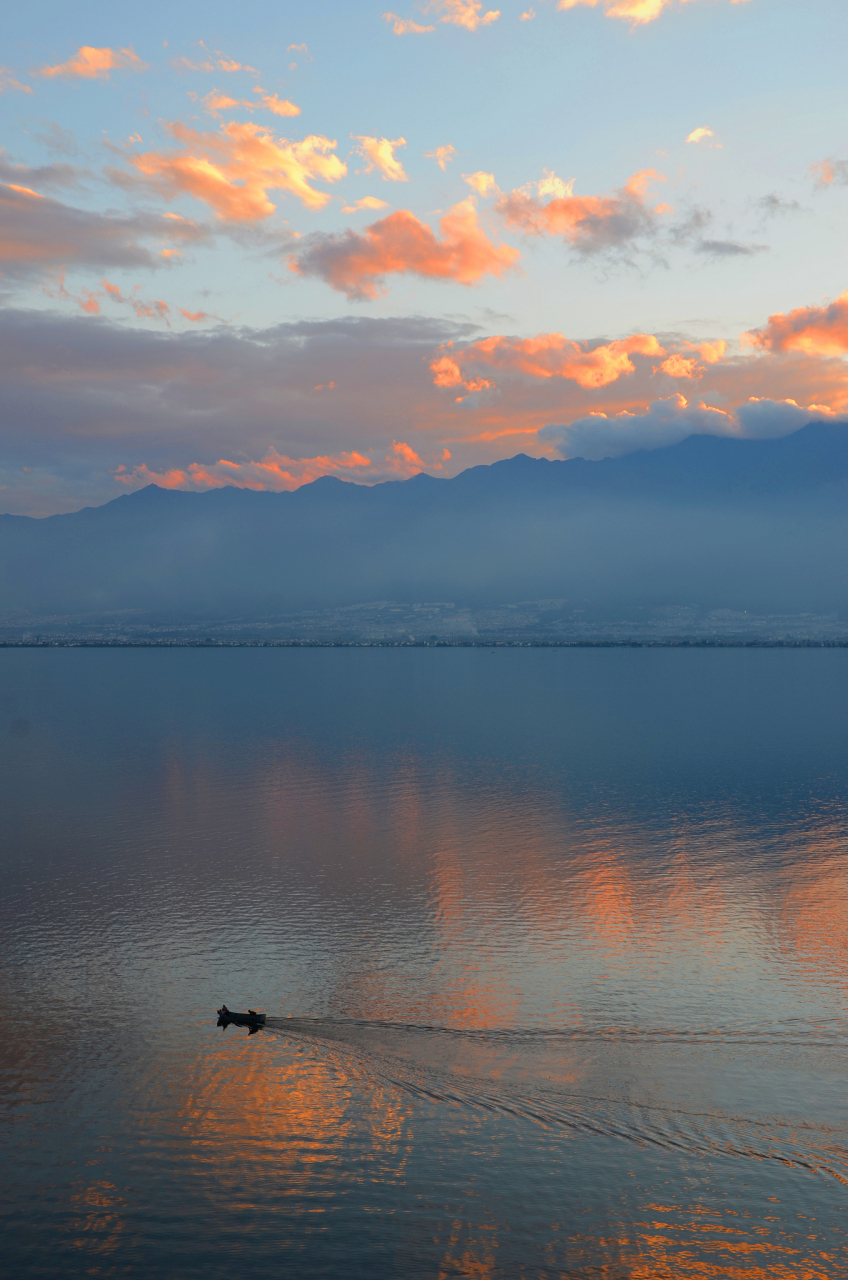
{"points": [[712, 523]]}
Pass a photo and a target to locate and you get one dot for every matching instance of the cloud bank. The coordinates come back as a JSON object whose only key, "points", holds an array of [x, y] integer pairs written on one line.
{"points": [[105, 404]]}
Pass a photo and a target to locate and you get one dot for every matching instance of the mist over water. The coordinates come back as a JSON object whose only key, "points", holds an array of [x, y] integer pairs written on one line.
{"points": [[552, 943]]}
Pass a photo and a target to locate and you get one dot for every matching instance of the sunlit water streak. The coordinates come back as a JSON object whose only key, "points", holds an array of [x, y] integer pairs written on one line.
{"points": [[554, 949]]}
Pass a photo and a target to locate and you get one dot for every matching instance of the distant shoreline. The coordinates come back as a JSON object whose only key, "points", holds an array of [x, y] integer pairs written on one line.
{"points": [[426, 644]]}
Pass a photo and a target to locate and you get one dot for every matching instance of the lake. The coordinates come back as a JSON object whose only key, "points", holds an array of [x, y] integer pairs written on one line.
{"points": [[553, 944]]}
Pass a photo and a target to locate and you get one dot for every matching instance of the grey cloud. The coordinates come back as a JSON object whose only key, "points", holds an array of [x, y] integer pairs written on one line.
{"points": [[94, 394], [600, 235], [773, 206], [729, 248], [691, 226], [58, 141], [51, 176], [41, 233], [267, 240], [610, 227], [689, 231]]}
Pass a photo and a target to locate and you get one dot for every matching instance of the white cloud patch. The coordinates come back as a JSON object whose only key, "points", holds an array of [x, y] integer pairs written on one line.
{"points": [[703, 137], [669, 420], [379, 156]]}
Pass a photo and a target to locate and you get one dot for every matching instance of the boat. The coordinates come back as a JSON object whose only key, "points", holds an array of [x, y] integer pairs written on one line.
{"points": [[252, 1020]]}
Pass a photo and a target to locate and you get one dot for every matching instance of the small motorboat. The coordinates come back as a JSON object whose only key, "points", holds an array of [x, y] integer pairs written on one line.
{"points": [[252, 1020]]}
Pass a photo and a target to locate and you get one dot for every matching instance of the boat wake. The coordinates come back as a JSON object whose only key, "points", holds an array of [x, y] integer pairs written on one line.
{"points": [[639, 1086]]}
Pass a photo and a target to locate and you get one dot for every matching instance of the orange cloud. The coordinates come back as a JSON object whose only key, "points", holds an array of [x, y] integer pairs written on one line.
{"points": [[279, 106], [24, 191], [85, 300], [88, 301], [277, 473], [828, 172], [458, 13], [402, 460], [8, 80], [405, 26], [549, 355], [94, 64], [442, 156], [680, 366], [214, 103], [591, 224], [399, 244], [274, 472], [463, 13], [211, 62], [233, 170], [765, 394], [712, 352], [157, 310], [379, 154], [817, 331]]}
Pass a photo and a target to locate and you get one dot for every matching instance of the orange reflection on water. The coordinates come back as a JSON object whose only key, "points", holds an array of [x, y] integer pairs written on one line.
{"points": [[248, 1108], [810, 926], [520, 892], [476, 988], [99, 1218], [686, 1250], [686, 1243], [473, 1258]]}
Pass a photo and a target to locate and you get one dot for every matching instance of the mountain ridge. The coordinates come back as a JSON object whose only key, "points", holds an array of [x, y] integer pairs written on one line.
{"points": [[711, 522], [822, 443]]}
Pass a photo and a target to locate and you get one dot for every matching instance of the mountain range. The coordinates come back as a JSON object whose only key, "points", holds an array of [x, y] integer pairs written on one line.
{"points": [[711, 523]]}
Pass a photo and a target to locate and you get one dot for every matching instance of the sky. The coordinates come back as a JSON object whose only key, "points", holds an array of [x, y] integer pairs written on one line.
{"points": [[254, 244]]}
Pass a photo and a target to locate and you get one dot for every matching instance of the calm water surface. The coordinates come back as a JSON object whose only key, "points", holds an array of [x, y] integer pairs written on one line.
{"points": [[554, 946]]}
